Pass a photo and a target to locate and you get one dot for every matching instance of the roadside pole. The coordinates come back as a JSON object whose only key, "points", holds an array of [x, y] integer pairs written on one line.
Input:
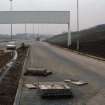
{"points": [[11, 9], [69, 33], [78, 41]]}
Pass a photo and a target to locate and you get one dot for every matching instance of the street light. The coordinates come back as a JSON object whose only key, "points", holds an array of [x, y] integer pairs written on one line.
{"points": [[38, 33], [33, 28], [11, 8], [25, 28], [78, 24]]}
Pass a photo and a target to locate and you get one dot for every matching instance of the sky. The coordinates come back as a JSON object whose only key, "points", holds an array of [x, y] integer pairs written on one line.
{"points": [[91, 13]]}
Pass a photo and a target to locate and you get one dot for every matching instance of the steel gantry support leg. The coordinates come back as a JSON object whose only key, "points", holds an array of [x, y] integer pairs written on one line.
{"points": [[69, 36], [11, 9], [69, 32], [78, 41]]}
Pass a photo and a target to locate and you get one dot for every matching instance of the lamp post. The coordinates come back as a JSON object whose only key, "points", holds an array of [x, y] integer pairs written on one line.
{"points": [[25, 28], [33, 28], [78, 42], [34, 31], [26, 31], [11, 8], [38, 33]]}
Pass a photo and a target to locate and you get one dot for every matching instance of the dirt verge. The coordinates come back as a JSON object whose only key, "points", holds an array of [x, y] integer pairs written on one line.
{"points": [[9, 84]]}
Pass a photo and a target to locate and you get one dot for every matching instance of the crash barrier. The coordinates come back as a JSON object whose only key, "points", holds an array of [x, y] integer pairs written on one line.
{"points": [[9, 65]]}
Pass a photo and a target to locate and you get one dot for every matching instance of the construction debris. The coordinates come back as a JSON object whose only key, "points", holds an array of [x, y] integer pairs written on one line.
{"points": [[10, 75], [76, 82], [79, 83], [1, 52], [31, 86], [67, 81], [37, 72], [54, 90]]}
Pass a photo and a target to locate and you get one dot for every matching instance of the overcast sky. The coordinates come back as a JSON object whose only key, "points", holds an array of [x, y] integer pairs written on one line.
{"points": [[92, 12]]}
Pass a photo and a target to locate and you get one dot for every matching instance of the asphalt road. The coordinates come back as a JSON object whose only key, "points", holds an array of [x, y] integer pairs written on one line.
{"points": [[64, 65]]}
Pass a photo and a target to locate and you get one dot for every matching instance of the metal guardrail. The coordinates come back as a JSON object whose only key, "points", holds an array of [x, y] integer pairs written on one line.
{"points": [[9, 65]]}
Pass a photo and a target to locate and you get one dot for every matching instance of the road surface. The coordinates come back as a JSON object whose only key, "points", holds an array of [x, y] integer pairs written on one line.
{"points": [[64, 65]]}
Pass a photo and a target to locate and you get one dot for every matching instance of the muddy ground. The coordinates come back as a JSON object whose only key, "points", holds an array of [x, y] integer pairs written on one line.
{"points": [[9, 84], [4, 58]]}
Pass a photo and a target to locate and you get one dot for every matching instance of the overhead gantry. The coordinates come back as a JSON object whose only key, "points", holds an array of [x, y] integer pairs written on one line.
{"points": [[37, 17]]}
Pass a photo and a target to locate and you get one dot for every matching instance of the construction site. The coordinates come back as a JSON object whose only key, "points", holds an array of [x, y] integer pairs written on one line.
{"points": [[52, 53]]}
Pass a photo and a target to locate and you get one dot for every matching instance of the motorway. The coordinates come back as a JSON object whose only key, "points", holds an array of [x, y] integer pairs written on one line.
{"points": [[65, 65]]}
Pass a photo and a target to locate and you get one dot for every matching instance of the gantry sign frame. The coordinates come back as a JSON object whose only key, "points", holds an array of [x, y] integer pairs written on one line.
{"points": [[37, 17]]}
